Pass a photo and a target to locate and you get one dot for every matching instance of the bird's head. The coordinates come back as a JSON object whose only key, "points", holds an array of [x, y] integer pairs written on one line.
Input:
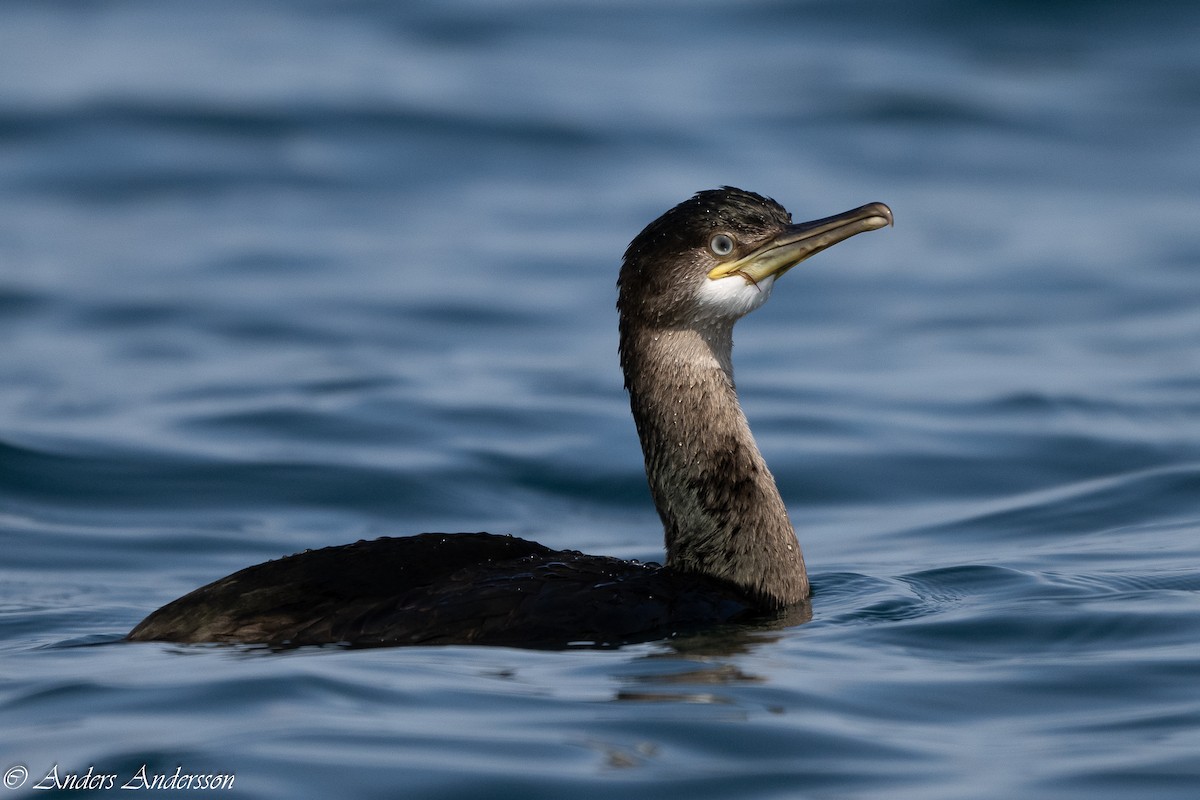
{"points": [[716, 256]]}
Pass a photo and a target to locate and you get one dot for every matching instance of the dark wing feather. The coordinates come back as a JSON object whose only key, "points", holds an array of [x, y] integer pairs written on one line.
{"points": [[554, 600], [306, 596], [445, 589]]}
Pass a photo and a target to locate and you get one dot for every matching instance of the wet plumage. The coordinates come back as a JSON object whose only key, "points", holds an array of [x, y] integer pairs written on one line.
{"points": [[732, 553]]}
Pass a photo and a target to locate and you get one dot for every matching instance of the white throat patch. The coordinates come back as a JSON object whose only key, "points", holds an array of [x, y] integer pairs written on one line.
{"points": [[733, 296]]}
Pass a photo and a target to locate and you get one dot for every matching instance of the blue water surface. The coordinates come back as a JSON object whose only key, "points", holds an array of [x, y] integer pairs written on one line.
{"points": [[278, 275]]}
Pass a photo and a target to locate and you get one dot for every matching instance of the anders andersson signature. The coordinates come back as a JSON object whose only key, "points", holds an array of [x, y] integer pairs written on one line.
{"points": [[141, 778]]}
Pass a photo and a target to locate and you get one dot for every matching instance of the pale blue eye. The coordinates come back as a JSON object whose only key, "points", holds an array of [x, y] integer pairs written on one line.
{"points": [[721, 244]]}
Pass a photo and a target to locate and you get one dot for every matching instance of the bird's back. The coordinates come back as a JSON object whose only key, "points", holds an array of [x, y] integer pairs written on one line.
{"points": [[468, 588]]}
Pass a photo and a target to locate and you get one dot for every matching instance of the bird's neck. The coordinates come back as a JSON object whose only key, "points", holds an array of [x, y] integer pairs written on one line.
{"points": [[721, 511]]}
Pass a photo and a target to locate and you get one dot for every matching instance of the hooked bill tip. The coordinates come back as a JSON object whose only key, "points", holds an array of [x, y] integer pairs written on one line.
{"points": [[881, 215]]}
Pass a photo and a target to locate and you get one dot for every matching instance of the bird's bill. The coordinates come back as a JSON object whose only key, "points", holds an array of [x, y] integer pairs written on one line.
{"points": [[798, 242]]}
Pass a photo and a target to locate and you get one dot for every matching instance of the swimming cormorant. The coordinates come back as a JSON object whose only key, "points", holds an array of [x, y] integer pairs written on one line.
{"points": [[731, 551]]}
